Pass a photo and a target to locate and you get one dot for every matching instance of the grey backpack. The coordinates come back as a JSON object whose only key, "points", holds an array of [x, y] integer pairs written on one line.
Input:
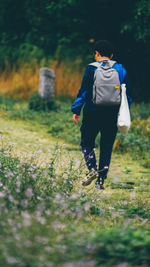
{"points": [[106, 87]]}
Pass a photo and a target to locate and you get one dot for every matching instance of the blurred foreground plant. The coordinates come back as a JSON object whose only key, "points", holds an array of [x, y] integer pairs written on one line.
{"points": [[44, 221]]}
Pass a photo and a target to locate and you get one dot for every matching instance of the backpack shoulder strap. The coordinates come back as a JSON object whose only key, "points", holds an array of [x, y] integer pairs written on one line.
{"points": [[121, 73]]}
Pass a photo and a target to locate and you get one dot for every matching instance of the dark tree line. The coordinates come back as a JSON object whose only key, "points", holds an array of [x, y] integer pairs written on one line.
{"points": [[63, 28]]}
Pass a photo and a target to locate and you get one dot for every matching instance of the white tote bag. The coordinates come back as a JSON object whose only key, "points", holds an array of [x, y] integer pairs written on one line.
{"points": [[124, 120]]}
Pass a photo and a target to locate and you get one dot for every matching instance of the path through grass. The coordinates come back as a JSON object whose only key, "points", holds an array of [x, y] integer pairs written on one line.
{"points": [[99, 228]]}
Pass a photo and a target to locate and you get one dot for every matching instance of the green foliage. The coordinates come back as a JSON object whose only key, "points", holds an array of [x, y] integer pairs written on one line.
{"points": [[27, 52], [20, 181], [141, 111], [37, 103], [7, 103], [53, 29], [137, 141], [122, 246], [139, 25]]}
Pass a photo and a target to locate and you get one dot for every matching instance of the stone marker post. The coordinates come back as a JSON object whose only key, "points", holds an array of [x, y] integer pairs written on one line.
{"points": [[47, 83]]}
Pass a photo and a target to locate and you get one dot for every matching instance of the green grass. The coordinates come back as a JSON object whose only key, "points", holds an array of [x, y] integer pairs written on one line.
{"points": [[47, 218], [58, 123]]}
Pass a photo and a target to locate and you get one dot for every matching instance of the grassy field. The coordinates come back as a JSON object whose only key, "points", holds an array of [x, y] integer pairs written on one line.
{"points": [[47, 218]]}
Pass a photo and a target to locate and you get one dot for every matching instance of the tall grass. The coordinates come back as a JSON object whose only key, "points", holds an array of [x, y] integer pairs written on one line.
{"points": [[22, 81]]}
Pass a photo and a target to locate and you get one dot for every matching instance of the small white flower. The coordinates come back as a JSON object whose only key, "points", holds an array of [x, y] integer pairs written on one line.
{"points": [[87, 206], [12, 260], [29, 193], [74, 196], [40, 151], [48, 212], [2, 194], [33, 176], [132, 195], [58, 196], [39, 198], [25, 215]]}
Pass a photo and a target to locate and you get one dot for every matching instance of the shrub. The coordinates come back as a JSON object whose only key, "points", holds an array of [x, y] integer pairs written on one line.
{"points": [[37, 103], [121, 247], [141, 111]]}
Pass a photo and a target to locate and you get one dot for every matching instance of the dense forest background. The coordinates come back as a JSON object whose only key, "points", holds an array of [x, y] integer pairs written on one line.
{"points": [[67, 30]]}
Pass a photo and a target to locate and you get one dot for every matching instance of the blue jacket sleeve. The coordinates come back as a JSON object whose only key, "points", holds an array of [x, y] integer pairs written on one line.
{"points": [[84, 91]]}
